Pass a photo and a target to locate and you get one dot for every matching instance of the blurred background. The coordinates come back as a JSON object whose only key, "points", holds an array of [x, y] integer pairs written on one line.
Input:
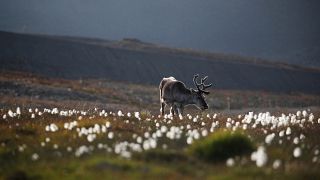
{"points": [[286, 30]]}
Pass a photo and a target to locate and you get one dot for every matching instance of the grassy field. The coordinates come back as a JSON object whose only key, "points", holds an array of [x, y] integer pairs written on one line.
{"points": [[72, 144], [98, 129]]}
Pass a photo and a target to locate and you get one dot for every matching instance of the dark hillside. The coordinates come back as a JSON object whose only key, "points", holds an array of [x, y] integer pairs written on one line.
{"points": [[75, 59]]}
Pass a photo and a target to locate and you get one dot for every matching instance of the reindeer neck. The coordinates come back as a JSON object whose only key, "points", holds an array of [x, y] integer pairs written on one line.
{"points": [[189, 98]]}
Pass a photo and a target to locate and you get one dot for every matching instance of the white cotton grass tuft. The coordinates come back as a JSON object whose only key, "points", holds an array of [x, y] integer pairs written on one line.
{"points": [[195, 119], [311, 117], [276, 164], [146, 134], [81, 150], [189, 140], [43, 144], [110, 135], [47, 139], [304, 113], [108, 124], [269, 138], [297, 152], [52, 127], [137, 115], [163, 129], [55, 146], [18, 111], [34, 157], [21, 148], [10, 113], [230, 162], [146, 145], [139, 139], [288, 131], [296, 140], [120, 114], [204, 132], [69, 149], [314, 159], [281, 133], [298, 113], [91, 137], [260, 156]]}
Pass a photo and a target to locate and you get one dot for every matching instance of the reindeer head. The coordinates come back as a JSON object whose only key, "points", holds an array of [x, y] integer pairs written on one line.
{"points": [[198, 95]]}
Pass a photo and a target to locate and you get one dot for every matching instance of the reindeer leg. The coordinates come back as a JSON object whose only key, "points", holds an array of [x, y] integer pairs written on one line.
{"points": [[175, 108], [163, 105], [172, 110], [180, 110]]}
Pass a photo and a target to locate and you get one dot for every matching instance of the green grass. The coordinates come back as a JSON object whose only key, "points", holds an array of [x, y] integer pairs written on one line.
{"points": [[222, 145]]}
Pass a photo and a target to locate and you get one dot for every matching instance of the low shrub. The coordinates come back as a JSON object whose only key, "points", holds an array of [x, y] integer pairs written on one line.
{"points": [[222, 145]]}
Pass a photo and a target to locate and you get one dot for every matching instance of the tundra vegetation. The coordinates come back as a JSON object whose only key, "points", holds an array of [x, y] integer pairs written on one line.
{"points": [[60, 143], [49, 138]]}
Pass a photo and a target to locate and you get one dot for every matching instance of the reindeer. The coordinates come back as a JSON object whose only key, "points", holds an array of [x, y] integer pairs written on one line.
{"points": [[175, 94]]}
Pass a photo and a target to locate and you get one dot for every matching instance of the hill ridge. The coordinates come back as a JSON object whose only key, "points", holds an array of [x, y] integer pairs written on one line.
{"points": [[138, 45], [59, 57]]}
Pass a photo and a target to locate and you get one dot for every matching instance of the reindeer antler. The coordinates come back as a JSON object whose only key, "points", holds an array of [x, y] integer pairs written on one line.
{"points": [[201, 87]]}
